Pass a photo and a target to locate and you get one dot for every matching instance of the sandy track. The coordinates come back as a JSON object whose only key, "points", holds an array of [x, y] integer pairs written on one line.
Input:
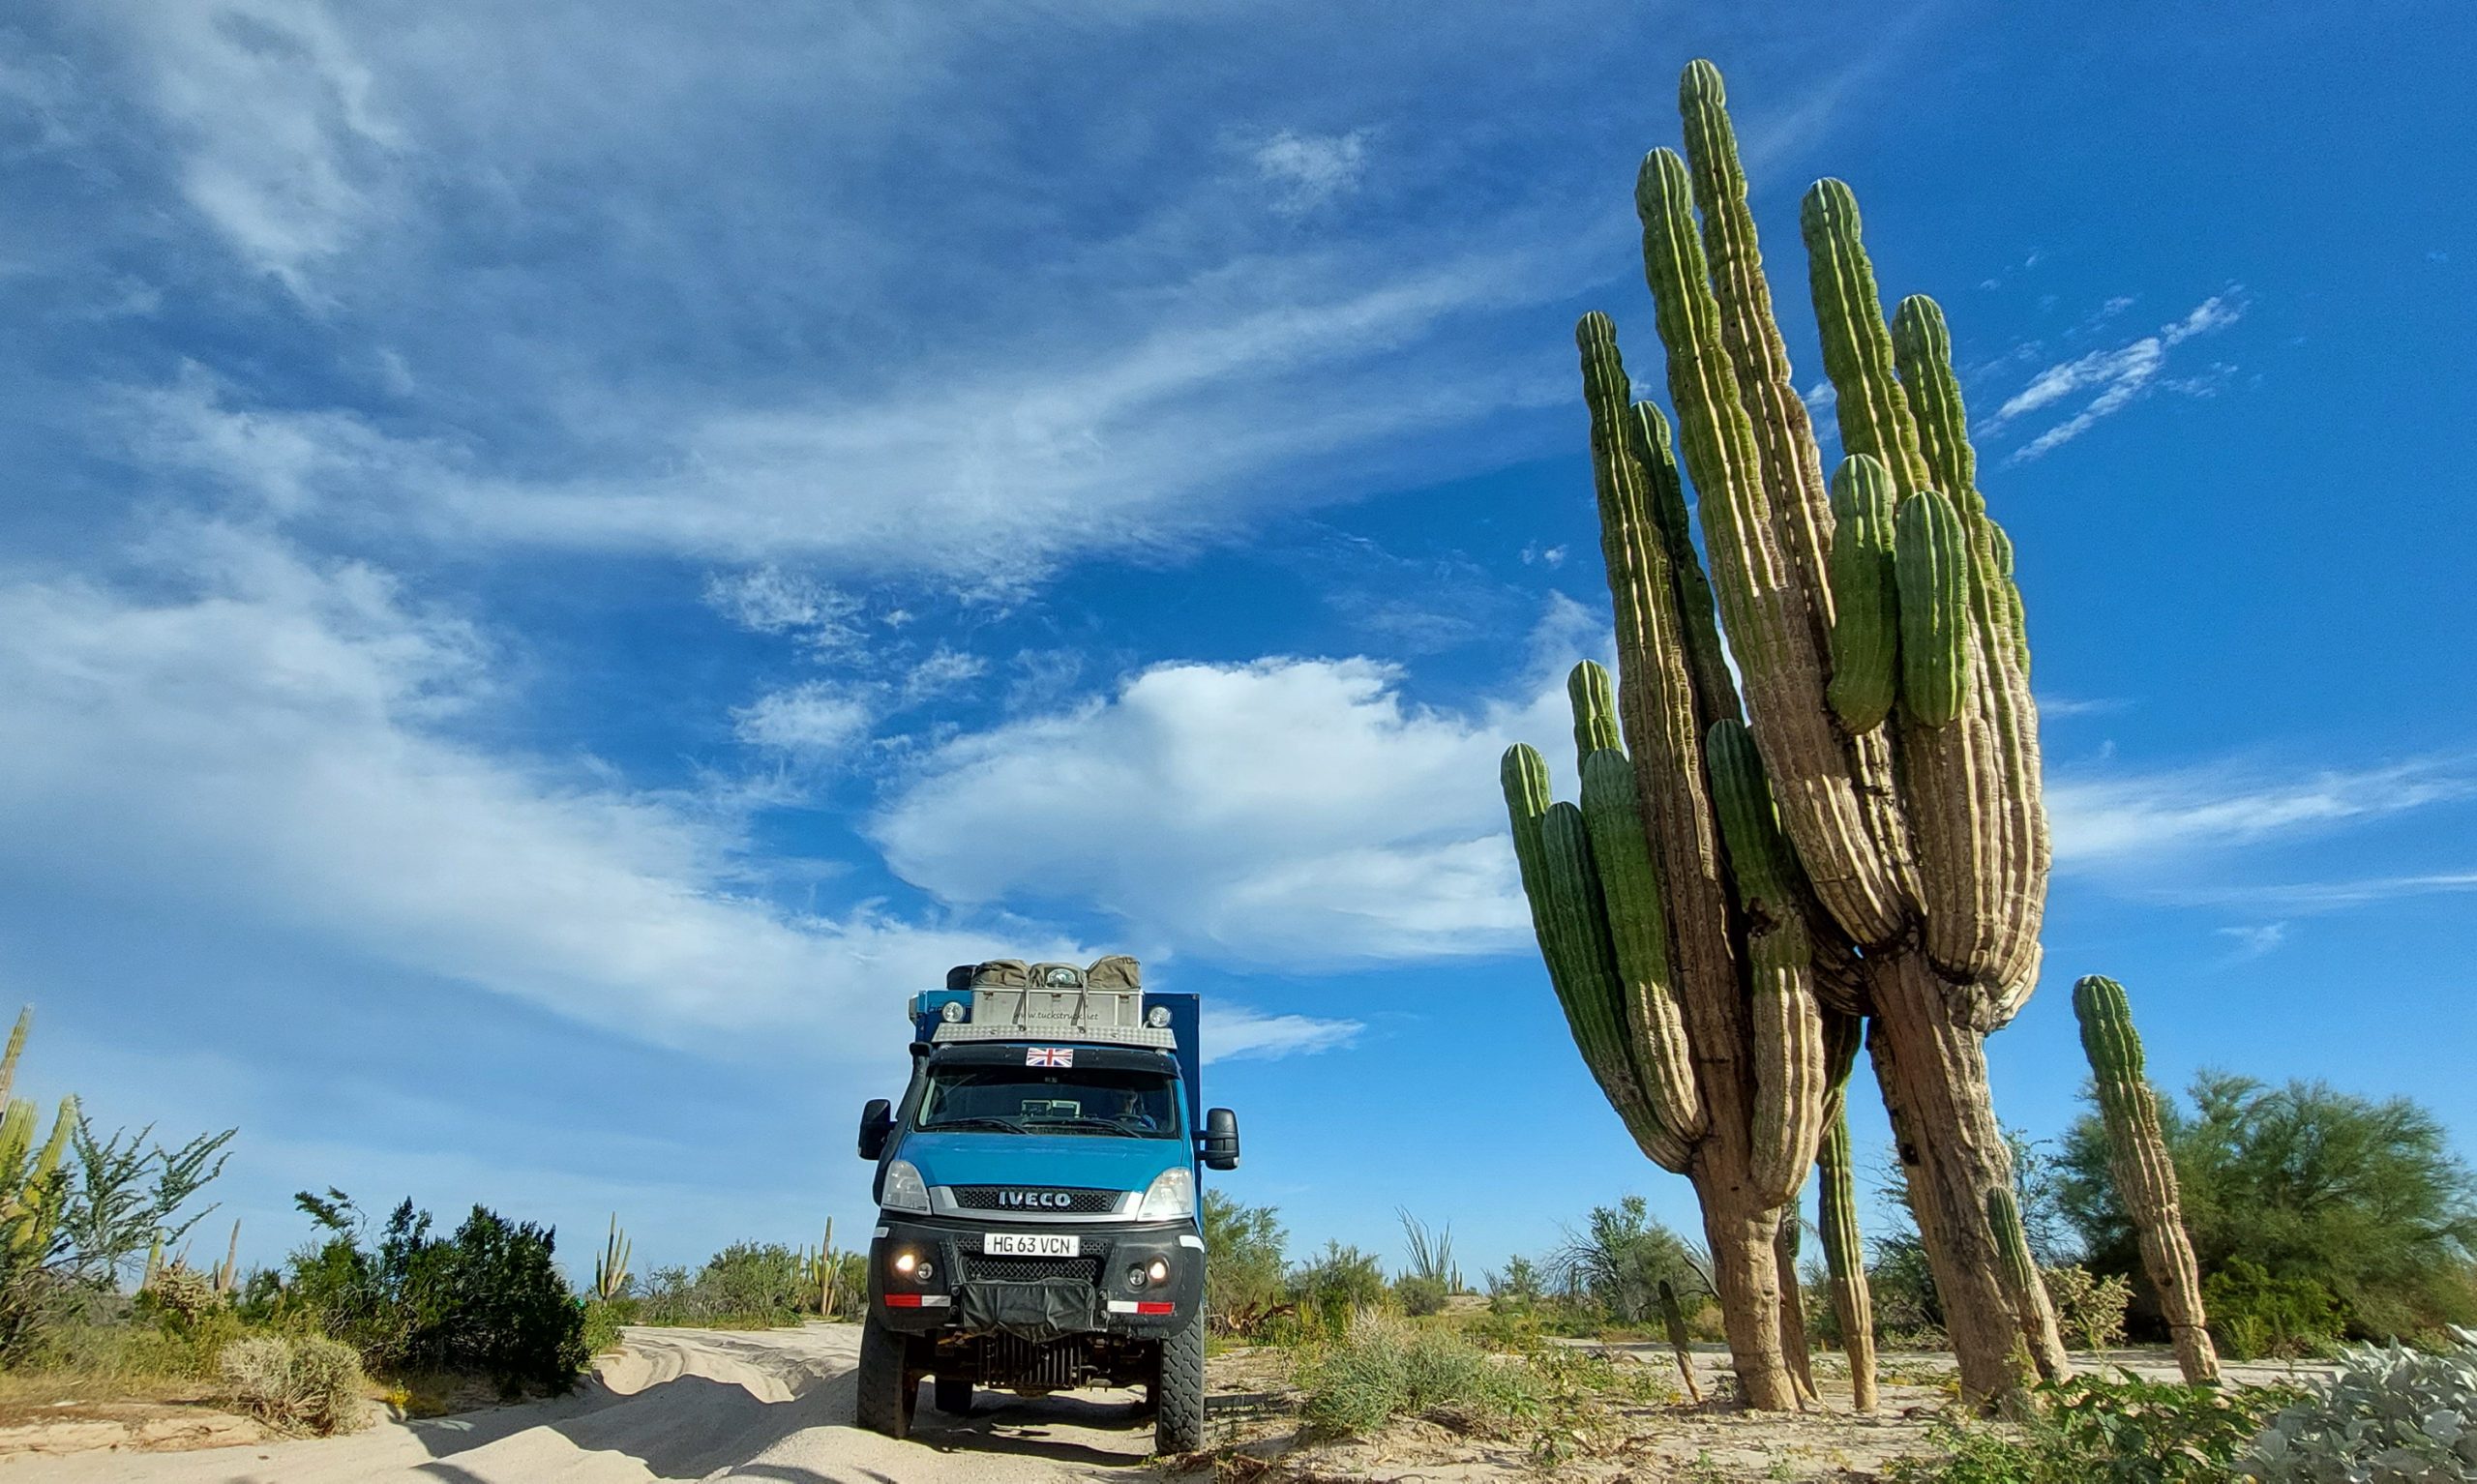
{"points": [[678, 1404]]}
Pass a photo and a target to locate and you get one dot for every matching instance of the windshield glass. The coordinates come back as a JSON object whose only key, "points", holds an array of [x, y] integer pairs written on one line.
{"points": [[1028, 1099]]}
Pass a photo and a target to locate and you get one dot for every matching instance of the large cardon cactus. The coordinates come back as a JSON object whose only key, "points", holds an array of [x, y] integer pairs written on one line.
{"points": [[1861, 832]]}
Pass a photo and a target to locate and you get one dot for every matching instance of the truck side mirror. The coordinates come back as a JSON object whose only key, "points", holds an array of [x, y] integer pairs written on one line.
{"points": [[876, 1121], [1220, 1139]]}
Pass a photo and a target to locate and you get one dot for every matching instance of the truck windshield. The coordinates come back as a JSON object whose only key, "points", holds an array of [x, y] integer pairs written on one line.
{"points": [[1025, 1100]]}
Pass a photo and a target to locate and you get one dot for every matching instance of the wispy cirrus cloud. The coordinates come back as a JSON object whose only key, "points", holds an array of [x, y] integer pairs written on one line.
{"points": [[2104, 820], [1307, 170], [2113, 379]]}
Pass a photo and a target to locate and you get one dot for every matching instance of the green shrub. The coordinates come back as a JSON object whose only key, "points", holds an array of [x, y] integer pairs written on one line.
{"points": [[1339, 1279], [2257, 1315], [489, 1301], [2094, 1431], [1385, 1367], [2390, 1416], [745, 1285], [602, 1322], [1419, 1296], [305, 1384]]}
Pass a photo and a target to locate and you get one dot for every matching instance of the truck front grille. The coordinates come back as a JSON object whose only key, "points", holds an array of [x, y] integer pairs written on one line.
{"points": [[1023, 1365], [979, 1268], [1078, 1200]]}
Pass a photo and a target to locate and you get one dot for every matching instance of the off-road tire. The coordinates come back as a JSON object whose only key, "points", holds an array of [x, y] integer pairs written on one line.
{"points": [[952, 1395], [889, 1388], [1177, 1392]]}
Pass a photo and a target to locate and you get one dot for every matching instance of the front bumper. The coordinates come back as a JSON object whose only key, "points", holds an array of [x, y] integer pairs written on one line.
{"points": [[970, 1292]]}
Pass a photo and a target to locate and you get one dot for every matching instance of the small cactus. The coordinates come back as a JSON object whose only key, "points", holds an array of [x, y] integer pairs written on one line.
{"points": [[611, 1268], [2145, 1180]]}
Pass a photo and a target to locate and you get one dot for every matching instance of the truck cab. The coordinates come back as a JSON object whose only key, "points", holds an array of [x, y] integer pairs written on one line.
{"points": [[1037, 1186]]}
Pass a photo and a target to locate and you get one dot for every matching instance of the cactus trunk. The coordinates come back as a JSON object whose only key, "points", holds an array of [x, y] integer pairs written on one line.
{"points": [[2145, 1180]]}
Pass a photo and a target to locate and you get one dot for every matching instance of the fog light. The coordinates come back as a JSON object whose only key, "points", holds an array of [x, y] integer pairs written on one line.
{"points": [[952, 1013], [1158, 1272], [1135, 1277], [1158, 1017], [903, 1262]]}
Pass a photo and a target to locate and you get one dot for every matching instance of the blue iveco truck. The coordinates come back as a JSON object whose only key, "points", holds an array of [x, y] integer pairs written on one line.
{"points": [[1037, 1198]]}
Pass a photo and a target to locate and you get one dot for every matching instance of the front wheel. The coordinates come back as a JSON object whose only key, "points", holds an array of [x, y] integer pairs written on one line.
{"points": [[888, 1386], [1177, 1392]]}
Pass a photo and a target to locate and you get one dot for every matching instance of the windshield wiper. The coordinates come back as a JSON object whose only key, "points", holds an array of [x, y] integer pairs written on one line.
{"points": [[1110, 1124], [983, 1120]]}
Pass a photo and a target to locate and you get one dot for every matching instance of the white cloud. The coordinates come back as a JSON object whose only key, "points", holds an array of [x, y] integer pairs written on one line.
{"points": [[941, 671], [2118, 378], [2255, 939], [2102, 821], [2056, 707], [1289, 810], [1236, 1033], [272, 740], [768, 600], [814, 717], [279, 139], [1307, 170]]}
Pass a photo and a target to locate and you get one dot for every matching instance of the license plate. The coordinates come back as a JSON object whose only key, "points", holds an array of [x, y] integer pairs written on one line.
{"points": [[1029, 1244]]}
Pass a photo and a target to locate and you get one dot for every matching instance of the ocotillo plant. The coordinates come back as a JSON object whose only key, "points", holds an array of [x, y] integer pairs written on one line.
{"points": [[2145, 1180], [1880, 635], [611, 1269]]}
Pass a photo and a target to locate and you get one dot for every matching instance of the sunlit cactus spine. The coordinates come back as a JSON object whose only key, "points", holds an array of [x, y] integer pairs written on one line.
{"points": [[1881, 659], [2145, 1178]]}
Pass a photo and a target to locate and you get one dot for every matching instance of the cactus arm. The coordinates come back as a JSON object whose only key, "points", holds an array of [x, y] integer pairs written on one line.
{"points": [[1760, 860], [1783, 433], [1865, 633], [1793, 1309], [1844, 1257], [1716, 688], [1930, 558], [1876, 417], [2145, 1177], [1594, 710], [1852, 853], [1630, 884], [1923, 353], [1659, 710], [1788, 1061], [1577, 926]]}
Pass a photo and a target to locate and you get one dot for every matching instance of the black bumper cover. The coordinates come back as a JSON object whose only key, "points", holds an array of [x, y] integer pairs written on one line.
{"points": [[1036, 1309]]}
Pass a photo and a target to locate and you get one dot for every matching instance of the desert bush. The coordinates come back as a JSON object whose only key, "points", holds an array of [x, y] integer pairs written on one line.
{"points": [[181, 1295], [1243, 1265], [2089, 1309], [2391, 1415], [2257, 1315], [1419, 1295], [602, 1321], [745, 1285], [1385, 1367], [2095, 1431], [306, 1383], [1516, 1289], [489, 1301], [1339, 1279]]}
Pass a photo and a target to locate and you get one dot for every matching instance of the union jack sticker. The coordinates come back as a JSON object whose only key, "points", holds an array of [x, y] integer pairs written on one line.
{"points": [[1049, 1056]]}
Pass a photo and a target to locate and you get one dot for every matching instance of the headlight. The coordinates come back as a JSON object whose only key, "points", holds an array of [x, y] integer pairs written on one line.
{"points": [[1173, 1194], [905, 1191]]}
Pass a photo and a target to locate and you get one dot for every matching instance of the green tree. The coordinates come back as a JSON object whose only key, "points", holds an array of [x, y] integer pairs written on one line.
{"points": [[1243, 1263], [1619, 1258], [1340, 1279], [2302, 1185]]}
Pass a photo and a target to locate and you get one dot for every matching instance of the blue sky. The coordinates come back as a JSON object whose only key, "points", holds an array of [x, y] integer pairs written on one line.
{"points": [[560, 561]]}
